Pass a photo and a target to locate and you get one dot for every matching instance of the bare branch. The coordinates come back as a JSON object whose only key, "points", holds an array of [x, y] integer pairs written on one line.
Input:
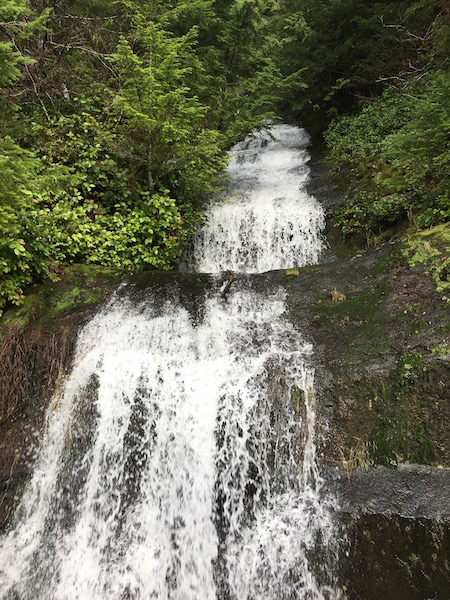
{"points": [[98, 55], [231, 277], [36, 91], [77, 47], [75, 17]]}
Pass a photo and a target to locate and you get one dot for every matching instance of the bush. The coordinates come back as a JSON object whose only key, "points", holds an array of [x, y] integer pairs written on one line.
{"points": [[397, 151]]}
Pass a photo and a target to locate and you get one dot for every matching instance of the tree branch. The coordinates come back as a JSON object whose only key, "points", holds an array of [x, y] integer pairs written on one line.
{"points": [[231, 277]]}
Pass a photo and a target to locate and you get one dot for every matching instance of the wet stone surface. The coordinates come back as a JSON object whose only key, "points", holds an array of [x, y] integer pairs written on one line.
{"points": [[410, 491], [396, 558]]}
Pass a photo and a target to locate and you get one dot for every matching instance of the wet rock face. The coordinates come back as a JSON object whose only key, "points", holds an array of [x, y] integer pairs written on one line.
{"points": [[377, 328], [381, 334], [412, 491], [396, 532], [383, 399], [34, 363], [396, 558]]}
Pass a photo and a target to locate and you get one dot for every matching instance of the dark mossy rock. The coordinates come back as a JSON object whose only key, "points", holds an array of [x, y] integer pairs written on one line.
{"points": [[75, 289], [379, 330], [396, 558]]}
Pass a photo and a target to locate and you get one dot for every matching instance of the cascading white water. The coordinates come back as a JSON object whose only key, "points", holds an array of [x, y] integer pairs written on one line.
{"points": [[170, 435], [179, 463], [268, 220]]}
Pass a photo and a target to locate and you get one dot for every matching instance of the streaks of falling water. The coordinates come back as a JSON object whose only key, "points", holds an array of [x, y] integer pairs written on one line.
{"points": [[180, 463], [268, 220], [165, 431]]}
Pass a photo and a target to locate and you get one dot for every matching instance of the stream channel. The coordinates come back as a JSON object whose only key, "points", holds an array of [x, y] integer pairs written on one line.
{"points": [[179, 459]]}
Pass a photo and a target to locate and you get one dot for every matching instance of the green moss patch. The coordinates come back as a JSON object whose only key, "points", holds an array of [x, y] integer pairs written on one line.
{"points": [[78, 288], [402, 417]]}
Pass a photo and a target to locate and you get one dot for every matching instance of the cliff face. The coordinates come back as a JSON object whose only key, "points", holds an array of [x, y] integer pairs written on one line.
{"points": [[380, 335], [380, 332]]}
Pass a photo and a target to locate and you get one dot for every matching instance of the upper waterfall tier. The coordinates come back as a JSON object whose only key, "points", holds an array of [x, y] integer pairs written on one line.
{"points": [[265, 220]]}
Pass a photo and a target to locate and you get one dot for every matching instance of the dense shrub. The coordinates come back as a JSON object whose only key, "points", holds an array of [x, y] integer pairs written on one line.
{"points": [[397, 150]]}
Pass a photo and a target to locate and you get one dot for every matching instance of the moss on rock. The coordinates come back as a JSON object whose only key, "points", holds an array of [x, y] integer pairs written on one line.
{"points": [[78, 288], [377, 323]]}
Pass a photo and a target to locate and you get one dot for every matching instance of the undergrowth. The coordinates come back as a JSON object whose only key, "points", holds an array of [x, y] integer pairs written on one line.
{"points": [[431, 248]]}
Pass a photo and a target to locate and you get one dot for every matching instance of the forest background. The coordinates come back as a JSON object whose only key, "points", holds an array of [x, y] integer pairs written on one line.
{"points": [[115, 119]]}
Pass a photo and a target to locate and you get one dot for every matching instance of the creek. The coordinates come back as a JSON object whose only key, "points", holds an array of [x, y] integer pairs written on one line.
{"points": [[179, 460]]}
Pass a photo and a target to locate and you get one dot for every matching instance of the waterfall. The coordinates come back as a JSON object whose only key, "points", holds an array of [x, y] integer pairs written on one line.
{"points": [[268, 220], [179, 462]]}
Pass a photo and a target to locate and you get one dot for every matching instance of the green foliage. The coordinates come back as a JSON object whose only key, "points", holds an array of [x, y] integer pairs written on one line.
{"points": [[148, 235], [239, 80], [162, 131], [19, 239], [77, 149], [12, 9], [442, 349], [430, 249], [356, 139], [10, 62], [397, 149], [340, 48], [408, 367], [346, 50], [419, 151], [10, 59]]}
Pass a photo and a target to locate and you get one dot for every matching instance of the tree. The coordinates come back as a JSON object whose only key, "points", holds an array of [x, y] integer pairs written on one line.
{"points": [[163, 125], [10, 58]]}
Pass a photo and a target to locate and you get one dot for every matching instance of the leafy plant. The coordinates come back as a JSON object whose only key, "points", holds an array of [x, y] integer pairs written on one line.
{"points": [[21, 251], [397, 150], [430, 248]]}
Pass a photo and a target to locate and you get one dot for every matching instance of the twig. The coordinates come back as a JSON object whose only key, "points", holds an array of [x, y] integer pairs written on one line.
{"points": [[226, 289]]}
